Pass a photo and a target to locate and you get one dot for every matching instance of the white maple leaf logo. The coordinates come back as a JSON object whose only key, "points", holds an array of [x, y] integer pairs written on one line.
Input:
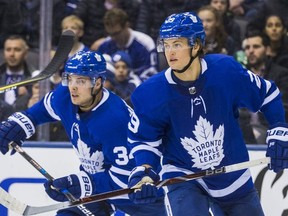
{"points": [[91, 163], [207, 149]]}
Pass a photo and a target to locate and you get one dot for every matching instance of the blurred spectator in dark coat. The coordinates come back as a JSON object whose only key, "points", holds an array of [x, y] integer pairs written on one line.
{"points": [[217, 39], [276, 30], [124, 81], [254, 125], [22, 17], [231, 26], [14, 69], [273, 25], [93, 11]]}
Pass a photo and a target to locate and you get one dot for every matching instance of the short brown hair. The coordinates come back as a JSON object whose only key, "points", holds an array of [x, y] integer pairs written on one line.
{"points": [[115, 16]]}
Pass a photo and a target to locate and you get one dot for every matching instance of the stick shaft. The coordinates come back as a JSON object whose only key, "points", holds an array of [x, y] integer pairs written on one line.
{"points": [[64, 47], [38, 167], [189, 177], [13, 204]]}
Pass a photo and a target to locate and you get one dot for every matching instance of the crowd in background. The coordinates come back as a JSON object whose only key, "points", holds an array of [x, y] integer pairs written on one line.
{"points": [[254, 32]]}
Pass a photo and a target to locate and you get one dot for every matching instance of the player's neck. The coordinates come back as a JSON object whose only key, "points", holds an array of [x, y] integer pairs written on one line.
{"points": [[192, 73], [96, 99]]}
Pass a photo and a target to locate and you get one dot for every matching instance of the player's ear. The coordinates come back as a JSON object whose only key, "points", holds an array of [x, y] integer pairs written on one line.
{"points": [[196, 46], [98, 82]]}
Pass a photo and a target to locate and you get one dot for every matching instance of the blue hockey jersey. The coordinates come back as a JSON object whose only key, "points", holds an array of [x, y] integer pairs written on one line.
{"points": [[99, 136], [194, 128]]}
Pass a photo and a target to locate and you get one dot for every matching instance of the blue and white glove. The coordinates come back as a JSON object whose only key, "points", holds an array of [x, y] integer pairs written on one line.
{"points": [[143, 180], [277, 150], [79, 185], [17, 128]]}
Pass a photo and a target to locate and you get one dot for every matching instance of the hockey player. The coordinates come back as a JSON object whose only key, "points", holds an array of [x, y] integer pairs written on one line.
{"points": [[96, 122], [187, 116]]}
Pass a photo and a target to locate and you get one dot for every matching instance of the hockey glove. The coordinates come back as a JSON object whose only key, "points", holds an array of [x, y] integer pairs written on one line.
{"points": [[143, 180], [17, 128], [79, 185], [277, 150]]}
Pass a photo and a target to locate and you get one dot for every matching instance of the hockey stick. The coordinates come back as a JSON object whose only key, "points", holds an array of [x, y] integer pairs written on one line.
{"points": [[38, 167], [17, 206], [64, 47]]}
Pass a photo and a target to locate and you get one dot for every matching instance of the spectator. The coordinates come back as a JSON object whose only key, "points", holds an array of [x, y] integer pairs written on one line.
{"points": [[217, 40], [274, 26], [231, 26], [14, 69], [93, 11], [138, 45], [76, 25], [254, 125], [277, 32], [125, 81]]}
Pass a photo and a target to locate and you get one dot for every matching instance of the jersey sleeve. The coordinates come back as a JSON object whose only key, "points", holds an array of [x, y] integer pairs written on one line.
{"points": [[45, 110], [258, 94], [146, 128]]}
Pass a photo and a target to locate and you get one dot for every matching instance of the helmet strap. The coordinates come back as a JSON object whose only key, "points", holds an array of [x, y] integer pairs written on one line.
{"points": [[94, 96], [189, 63]]}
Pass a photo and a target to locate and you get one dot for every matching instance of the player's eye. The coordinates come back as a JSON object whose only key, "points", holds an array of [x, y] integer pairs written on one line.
{"points": [[81, 82]]}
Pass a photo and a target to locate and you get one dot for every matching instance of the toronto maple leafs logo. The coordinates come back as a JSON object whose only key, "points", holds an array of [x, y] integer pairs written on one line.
{"points": [[91, 162], [206, 149]]}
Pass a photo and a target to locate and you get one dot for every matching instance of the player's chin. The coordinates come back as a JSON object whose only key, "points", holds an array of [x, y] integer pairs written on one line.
{"points": [[75, 100]]}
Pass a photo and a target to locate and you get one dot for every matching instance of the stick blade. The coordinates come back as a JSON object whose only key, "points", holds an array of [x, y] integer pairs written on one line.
{"points": [[64, 47], [11, 202]]}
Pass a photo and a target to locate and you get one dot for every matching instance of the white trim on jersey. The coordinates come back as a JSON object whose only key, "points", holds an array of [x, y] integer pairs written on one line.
{"points": [[49, 109], [167, 168], [104, 98], [271, 97], [231, 188], [147, 148], [120, 171], [153, 144], [117, 180]]}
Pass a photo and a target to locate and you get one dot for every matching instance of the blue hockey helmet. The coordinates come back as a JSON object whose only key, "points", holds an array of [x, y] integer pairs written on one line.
{"points": [[85, 63], [187, 25]]}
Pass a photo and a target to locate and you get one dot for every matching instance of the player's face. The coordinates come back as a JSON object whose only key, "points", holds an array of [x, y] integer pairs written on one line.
{"points": [[255, 51], [80, 90], [209, 22], [15, 52], [274, 28], [177, 52]]}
